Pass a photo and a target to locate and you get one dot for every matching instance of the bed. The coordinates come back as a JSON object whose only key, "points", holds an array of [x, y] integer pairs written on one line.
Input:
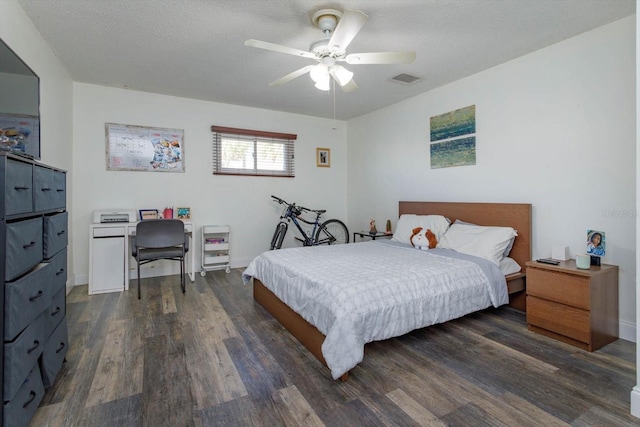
{"points": [[271, 274]]}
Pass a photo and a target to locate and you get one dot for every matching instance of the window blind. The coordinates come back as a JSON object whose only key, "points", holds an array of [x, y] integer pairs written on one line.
{"points": [[252, 152]]}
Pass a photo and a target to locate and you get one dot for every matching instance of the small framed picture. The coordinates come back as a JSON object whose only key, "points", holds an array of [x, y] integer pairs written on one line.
{"points": [[323, 157], [148, 214], [596, 243], [183, 213]]}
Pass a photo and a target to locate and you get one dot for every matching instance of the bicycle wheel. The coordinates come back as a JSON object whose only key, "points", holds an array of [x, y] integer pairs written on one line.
{"points": [[332, 232], [278, 235]]}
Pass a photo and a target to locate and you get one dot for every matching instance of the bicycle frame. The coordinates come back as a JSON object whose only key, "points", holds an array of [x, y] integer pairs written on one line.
{"points": [[291, 216]]}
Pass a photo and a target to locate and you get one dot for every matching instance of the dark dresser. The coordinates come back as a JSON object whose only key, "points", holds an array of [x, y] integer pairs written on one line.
{"points": [[34, 237]]}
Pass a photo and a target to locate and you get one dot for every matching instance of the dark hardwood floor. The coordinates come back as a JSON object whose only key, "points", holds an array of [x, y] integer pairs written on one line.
{"points": [[214, 357]]}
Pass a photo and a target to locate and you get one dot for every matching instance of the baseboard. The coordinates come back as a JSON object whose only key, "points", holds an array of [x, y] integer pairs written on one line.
{"points": [[627, 331], [81, 279], [635, 401], [240, 263]]}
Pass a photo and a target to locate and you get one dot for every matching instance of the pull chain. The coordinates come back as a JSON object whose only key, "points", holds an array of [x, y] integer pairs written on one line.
{"points": [[335, 124]]}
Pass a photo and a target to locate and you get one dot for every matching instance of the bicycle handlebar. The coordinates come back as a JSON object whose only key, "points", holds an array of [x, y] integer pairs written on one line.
{"points": [[279, 200], [302, 208]]}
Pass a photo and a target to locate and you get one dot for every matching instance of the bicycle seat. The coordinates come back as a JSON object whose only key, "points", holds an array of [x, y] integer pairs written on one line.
{"points": [[320, 211]]}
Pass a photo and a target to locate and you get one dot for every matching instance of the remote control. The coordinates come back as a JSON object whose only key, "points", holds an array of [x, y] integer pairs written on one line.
{"points": [[548, 261]]}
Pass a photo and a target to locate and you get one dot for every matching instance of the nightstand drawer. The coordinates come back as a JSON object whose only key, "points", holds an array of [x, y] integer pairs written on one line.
{"points": [[564, 320], [559, 287]]}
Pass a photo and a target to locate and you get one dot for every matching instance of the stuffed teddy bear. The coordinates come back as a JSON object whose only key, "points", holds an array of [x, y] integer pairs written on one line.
{"points": [[423, 239]]}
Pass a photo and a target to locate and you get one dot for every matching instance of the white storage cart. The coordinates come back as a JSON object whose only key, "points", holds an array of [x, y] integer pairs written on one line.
{"points": [[215, 248]]}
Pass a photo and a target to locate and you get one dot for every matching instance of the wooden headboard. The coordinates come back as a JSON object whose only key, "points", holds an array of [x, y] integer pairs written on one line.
{"points": [[516, 215]]}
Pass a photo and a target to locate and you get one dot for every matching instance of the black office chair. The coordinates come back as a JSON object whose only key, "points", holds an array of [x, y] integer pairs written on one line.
{"points": [[157, 239]]}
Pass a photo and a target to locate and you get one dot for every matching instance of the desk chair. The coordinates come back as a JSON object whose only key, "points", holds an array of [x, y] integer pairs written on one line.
{"points": [[157, 239]]}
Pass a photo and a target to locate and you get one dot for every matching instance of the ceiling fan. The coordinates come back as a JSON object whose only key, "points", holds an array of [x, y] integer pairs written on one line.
{"points": [[339, 30]]}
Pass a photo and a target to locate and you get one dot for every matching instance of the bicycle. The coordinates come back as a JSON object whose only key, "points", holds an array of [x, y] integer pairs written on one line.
{"points": [[330, 232]]}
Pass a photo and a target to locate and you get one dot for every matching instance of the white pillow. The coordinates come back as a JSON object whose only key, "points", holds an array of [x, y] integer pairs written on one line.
{"points": [[509, 246], [484, 242], [509, 266], [407, 222]]}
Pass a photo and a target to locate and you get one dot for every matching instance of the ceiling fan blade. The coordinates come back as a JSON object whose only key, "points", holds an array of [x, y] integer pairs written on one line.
{"points": [[350, 87], [278, 48], [381, 58], [282, 80], [348, 26]]}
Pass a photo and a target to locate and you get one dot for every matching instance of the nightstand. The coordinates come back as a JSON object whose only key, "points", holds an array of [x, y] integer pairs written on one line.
{"points": [[578, 307], [377, 235]]}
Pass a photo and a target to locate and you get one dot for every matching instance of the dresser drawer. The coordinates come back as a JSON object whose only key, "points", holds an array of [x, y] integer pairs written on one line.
{"points": [[46, 191], [54, 353], [58, 271], [56, 312], [564, 320], [560, 287], [25, 299], [59, 198], [24, 247], [21, 355], [55, 236], [19, 410], [18, 187]]}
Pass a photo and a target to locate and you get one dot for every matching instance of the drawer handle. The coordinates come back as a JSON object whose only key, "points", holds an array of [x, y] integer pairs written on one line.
{"points": [[59, 272], [35, 297], [60, 190], [32, 396], [60, 348], [61, 232], [36, 344], [21, 188], [56, 311], [28, 245], [45, 189]]}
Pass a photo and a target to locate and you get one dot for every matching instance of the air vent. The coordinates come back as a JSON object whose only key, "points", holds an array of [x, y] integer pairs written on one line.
{"points": [[405, 79]]}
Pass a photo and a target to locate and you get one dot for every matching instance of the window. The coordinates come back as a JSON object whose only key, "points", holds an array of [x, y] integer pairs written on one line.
{"points": [[252, 152]]}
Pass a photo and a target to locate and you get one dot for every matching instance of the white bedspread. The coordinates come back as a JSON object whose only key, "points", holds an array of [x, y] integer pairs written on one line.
{"points": [[369, 291]]}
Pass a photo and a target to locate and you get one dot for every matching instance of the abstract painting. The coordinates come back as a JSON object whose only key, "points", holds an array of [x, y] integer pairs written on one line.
{"points": [[453, 141]]}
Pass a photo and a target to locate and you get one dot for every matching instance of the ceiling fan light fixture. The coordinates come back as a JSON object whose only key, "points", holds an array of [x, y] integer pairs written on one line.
{"points": [[324, 85], [341, 74], [319, 73], [339, 30]]}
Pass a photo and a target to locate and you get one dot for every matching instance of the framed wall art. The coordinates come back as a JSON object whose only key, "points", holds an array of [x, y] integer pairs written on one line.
{"points": [[453, 138], [141, 148], [323, 157]]}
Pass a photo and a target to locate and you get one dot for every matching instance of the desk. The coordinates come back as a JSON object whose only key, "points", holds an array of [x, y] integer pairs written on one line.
{"points": [[110, 256], [363, 234]]}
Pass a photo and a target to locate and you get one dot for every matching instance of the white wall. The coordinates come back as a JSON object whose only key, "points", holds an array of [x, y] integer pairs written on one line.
{"points": [[555, 128], [56, 125], [241, 202]]}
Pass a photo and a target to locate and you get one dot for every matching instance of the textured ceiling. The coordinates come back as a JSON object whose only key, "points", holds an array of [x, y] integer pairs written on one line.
{"points": [[195, 48]]}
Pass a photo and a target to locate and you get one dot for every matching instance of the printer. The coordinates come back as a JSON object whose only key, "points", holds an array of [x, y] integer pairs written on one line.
{"points": [[114, 215]]}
